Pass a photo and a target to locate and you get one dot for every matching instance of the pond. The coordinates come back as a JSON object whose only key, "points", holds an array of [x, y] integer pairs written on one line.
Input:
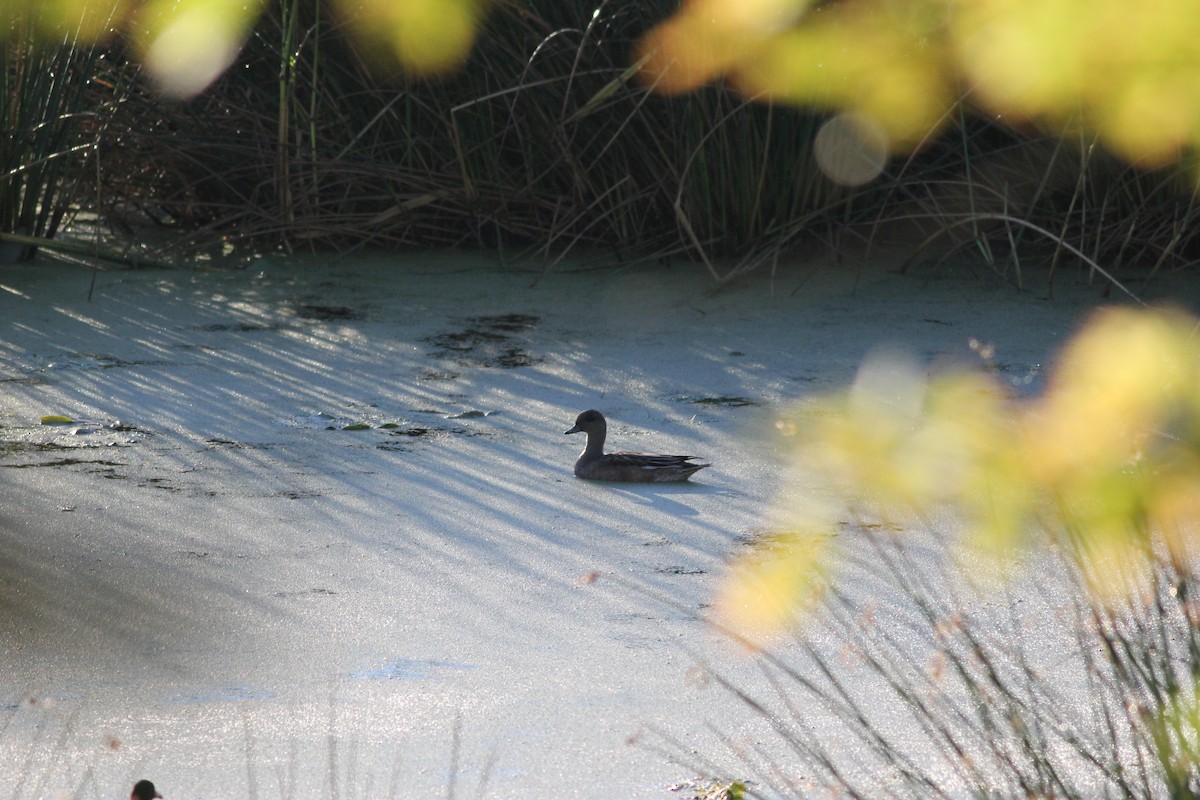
{"points": [[310, 528]]}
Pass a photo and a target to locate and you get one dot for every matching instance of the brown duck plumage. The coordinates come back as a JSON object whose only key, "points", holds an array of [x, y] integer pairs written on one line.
{"points": [[594, 464]]}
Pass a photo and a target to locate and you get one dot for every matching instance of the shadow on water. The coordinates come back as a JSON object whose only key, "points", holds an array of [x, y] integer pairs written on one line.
{"points": [[359, 481], [227, 548]]}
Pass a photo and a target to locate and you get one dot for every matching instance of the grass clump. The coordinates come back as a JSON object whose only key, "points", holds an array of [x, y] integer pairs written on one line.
{"points": [[910, 679], [552, 138], [544, 140], [51, 123]]}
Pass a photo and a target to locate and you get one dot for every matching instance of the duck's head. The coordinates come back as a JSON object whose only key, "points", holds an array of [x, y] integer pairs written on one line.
{"points": [[591, 421], [144, 790]]}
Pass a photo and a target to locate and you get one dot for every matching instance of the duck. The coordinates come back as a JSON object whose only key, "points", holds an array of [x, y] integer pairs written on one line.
{"points": [[596, 465], [144, 790]]}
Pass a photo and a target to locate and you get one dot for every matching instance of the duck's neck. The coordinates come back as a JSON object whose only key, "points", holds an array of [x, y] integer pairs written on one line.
{"points": [[595, 445]]}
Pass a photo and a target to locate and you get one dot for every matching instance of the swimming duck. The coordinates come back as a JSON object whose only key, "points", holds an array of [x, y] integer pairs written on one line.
{"points": [[596, 465], [144, 790]]}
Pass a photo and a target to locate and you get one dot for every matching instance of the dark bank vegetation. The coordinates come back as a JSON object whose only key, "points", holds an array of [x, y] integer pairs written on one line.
{"points": [[544, 142]]}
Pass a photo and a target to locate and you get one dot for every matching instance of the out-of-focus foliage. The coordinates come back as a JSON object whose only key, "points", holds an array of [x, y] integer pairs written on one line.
{"points": [[1107, 461], [186, 44], [426, 36], [92, 20], [1129, 71]]}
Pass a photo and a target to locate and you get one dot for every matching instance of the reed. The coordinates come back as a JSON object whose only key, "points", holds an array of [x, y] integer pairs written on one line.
{"points": [[49, 133], [913, 678], [546, 142]]}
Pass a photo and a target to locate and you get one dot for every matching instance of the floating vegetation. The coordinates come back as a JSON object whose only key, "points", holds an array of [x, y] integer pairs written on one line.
{"points": [[769, 538], [327, 313], [727, 402], [411, 432], [394, 428], [296, 494], [472, 414], [698, 789], [512, 323], [19, 447], [403, 437], [436, 375], [401, 428], [68, 361], [68, 462], [464, 340], [237, 445], [243, 327], [515, 357], [316, 590], [486, 343]]}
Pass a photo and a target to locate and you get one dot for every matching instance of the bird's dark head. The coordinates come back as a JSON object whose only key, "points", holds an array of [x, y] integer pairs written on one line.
{"points": [[588, 422], [144, 790]]}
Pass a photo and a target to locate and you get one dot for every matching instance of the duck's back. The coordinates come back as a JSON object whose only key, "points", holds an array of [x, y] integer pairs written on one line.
{"points": [[637, 468]]}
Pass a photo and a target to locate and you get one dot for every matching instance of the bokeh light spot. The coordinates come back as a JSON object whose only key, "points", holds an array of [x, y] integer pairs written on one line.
{"points": [[851, 149]]}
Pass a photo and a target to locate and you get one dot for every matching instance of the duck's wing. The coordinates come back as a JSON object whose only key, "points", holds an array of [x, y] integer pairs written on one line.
{"points": [[645, 461]]}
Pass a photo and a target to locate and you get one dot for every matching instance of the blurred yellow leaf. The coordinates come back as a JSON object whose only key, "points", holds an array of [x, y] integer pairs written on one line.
{"points": [[1021, 56], [186, 44], [426, 36], [1174, 512], [752, 16], [765, 590], [853, 56], [883, 65], [1115, 564], [1107, 462], [89, 19], [1108, 394], [1129, 72], [687, 52], [709, 37], [1149, 121]]}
